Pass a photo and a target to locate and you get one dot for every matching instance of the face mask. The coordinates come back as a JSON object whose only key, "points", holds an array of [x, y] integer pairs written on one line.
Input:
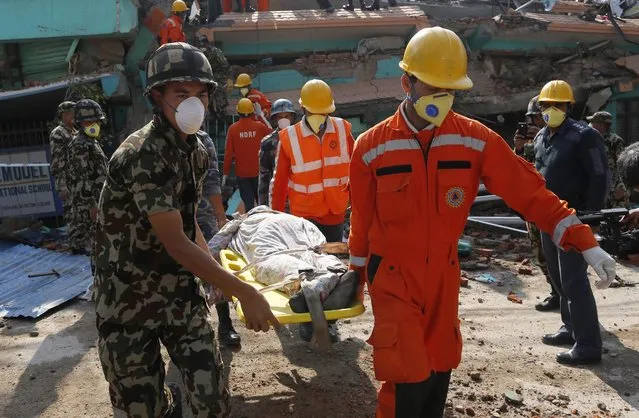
{"points": [[283, 123], [316, 122], [244, 91], [554, 117], [434, 108], [93, 130], [189, 115]]}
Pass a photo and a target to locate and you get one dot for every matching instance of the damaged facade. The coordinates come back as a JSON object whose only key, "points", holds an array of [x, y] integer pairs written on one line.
{"points": [[48, 54], [511, 56]]}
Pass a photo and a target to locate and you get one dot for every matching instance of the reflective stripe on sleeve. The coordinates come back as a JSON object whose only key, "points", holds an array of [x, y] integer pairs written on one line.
{"points": [[562, 226], [358, 261]]}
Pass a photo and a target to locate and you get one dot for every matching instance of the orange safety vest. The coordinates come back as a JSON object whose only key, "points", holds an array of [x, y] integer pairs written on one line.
{"points": [[313, 171], [171, 30]]}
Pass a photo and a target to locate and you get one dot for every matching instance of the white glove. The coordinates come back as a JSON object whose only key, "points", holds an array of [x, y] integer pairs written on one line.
{"points": [[258, 109], [603, 264]]}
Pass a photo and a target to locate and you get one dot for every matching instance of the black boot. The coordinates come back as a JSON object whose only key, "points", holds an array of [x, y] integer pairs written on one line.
{"points": [[349, 6], [225, 332], [551, 303], [392, 3], [373, 6]]}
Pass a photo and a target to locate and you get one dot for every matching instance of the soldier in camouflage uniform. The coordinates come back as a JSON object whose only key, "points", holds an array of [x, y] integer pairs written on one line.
{"points": [[222, 75], [282, 116], [210, 217], [87, 172], [618, 196], [150, 250], [59, 140], [525, 148]]}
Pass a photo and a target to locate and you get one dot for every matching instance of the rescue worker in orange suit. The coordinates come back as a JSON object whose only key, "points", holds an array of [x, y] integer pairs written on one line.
{"points": [[243, 141], [311, 168], [172, 28], [413, 179], [259, 99]]}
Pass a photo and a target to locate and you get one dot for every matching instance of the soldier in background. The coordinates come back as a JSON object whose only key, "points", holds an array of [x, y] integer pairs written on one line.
{"points": [[525, 148], [87, 174], [618, 196], [282, 116], [221, 68], [210, 218], [59, 140]]}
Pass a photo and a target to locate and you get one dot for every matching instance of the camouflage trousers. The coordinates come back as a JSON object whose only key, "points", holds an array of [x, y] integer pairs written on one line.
{"points": [[134, 368], [535, 240], [81, 229], [618, 202], [68, 219]]}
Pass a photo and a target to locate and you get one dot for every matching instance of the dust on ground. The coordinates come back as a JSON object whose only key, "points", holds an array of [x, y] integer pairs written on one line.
{"points": [[50, 367]]}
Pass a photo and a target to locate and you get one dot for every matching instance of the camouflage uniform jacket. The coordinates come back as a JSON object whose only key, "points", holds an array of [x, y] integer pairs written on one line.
{"points": [[59, 140], [212, 186], [528, 152], [221, 74], [614, 146], [268, 151], [137, 281], [87, 171]]}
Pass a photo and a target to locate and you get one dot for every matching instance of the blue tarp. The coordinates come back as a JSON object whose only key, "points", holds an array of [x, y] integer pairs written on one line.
{"points": [[28, 297]]}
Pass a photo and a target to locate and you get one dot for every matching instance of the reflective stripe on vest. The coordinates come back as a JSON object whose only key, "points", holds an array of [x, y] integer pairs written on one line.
{"points": [[392, 145], [300, 166], [454, 139], [318, 187], [412, 144]]}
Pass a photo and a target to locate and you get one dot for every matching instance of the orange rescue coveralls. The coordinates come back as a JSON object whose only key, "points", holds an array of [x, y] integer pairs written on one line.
{"points": [[259, 98], [171, 30], [243, 141], [411, 192], [313, 172]]}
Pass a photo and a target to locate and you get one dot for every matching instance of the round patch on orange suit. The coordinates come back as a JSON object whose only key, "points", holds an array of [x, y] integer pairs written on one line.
{"points": [[333, 144], [455, 197]]}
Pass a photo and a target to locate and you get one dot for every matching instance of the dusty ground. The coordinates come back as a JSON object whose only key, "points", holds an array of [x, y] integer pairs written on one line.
{"points": [[56, 373]]}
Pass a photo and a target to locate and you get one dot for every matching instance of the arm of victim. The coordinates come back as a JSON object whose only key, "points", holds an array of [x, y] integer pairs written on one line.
{"points": [[197, 259]]}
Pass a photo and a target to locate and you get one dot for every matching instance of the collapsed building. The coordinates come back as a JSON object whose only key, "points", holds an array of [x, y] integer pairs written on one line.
{"points": [[48, 55]]}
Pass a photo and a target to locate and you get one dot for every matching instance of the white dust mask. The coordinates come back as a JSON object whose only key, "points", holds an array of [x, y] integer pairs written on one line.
{"points": [[189, 115]]}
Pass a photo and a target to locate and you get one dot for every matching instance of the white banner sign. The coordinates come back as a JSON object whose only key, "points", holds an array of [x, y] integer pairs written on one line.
{"points": [[25, 190]]}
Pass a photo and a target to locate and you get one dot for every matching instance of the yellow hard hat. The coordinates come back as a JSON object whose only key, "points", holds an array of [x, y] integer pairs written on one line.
{"points": [[316, 97], [245, 106], [556, 91], [437, 57], [243, 80], [179, 6]]}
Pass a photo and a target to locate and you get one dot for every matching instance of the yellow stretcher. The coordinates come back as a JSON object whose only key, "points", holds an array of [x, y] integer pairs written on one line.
{"points": [[279, 300]]}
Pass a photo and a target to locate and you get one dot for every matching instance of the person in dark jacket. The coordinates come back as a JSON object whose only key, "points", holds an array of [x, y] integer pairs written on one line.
{"points": [[571, 156], [282, 116]]}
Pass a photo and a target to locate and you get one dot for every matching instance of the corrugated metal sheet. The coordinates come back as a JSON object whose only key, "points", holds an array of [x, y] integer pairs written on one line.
{"points": [[44, 60], [32, 297]]}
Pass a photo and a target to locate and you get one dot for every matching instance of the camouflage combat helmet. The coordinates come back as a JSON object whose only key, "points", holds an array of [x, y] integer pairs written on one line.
{"points": [[533, 107], [65, 106], [178, 61], [88, 110]]}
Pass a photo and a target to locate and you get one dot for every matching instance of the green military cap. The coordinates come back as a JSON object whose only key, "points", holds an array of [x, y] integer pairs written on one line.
{"points": [[66, 106], [601, 117]]}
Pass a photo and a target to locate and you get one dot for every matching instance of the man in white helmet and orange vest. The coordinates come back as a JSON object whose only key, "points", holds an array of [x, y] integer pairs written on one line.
{"points": [[413, 179], [311, 168]]}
